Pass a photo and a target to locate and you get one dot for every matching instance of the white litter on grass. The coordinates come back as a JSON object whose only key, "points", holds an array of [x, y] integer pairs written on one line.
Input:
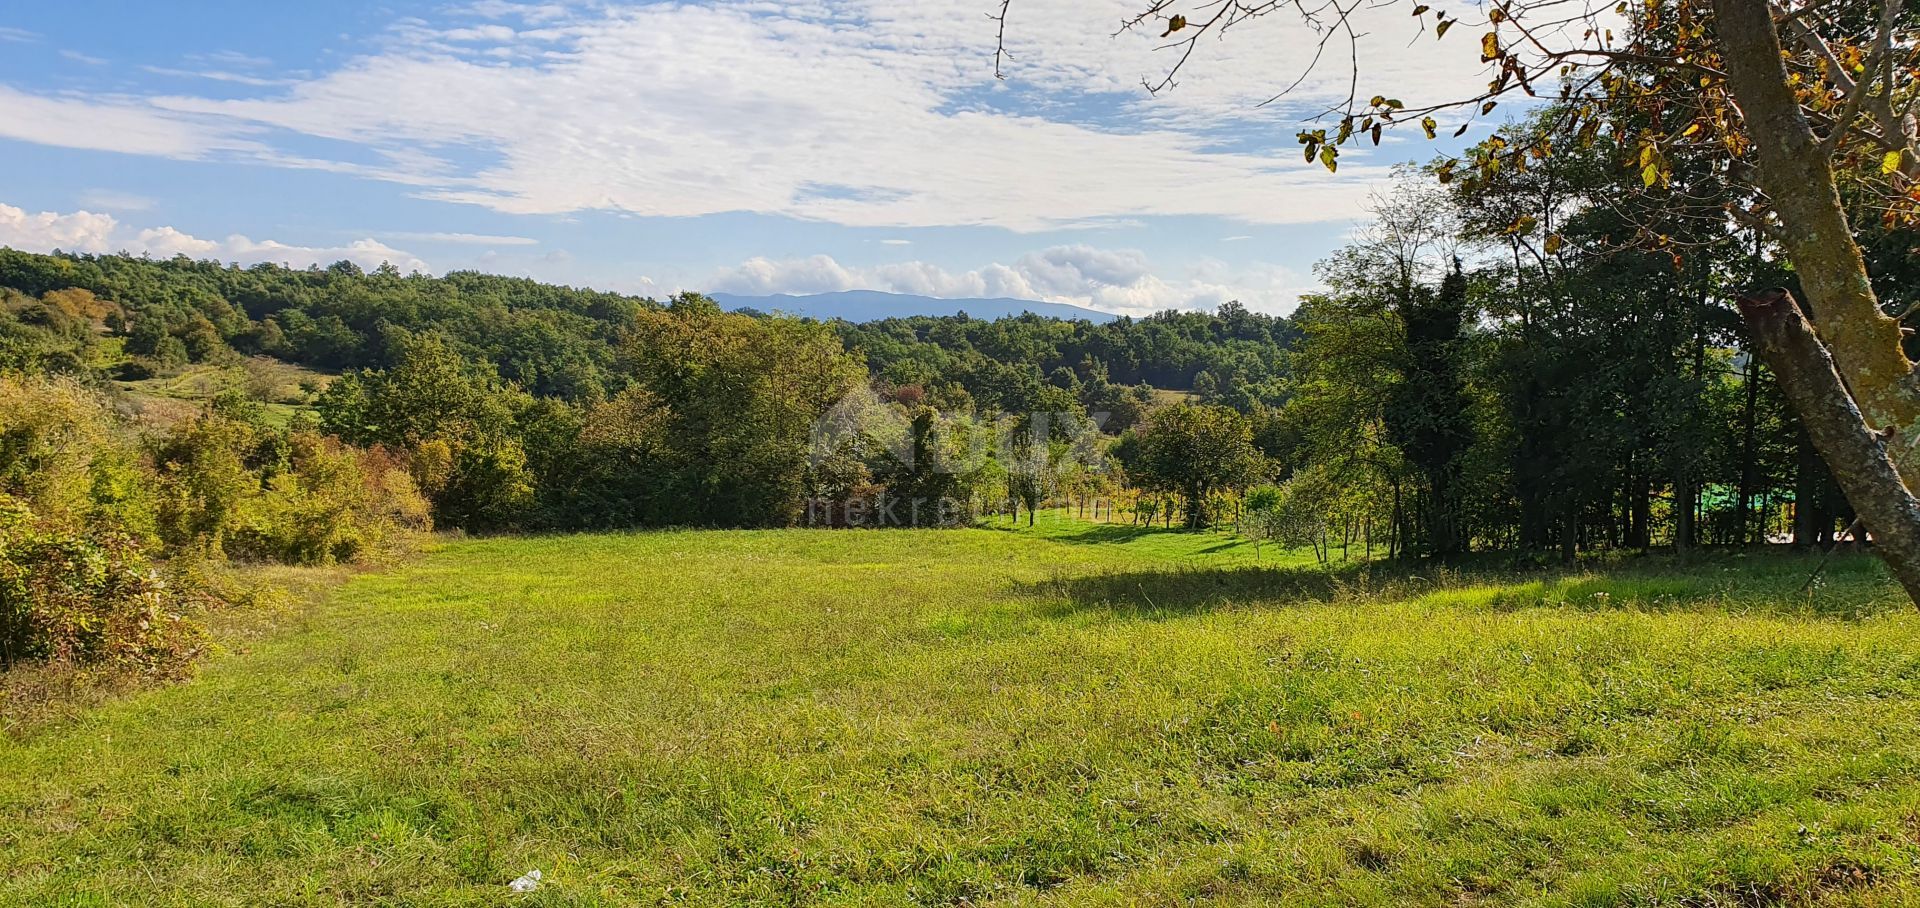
{"points": [[527, 883]]}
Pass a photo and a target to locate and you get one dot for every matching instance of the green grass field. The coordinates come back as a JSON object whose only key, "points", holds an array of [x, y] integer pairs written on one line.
{"points": [[1078, 715]]}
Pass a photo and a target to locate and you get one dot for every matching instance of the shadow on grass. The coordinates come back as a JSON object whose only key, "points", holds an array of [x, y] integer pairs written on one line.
{"points": [[1848, 588], [1077, 532], [1175, 591]]}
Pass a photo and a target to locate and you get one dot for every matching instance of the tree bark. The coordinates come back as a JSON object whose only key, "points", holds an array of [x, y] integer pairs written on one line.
{"points": [[1856, 454], [1806, 494], [1799, 180]]}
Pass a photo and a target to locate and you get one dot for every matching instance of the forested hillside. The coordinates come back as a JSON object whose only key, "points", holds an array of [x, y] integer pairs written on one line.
{"points": [[525, 405]]}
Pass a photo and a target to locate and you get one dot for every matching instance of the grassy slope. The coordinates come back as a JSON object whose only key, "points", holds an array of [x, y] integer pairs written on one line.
{"points": [[173, 398], [986, 716]]}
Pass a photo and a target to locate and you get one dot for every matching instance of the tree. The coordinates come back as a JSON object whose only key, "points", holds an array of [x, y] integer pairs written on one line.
{"points": [[740, 397], [1750, 101], [1194, 451], [1262, 519], [1428, 417], [455, 422]]}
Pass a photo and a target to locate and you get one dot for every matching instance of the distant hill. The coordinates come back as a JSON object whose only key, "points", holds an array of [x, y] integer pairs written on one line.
{"points": [[873, 305]]}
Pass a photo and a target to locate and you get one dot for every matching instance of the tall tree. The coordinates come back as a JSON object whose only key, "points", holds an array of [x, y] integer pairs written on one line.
{"points": [[1428, 417]]}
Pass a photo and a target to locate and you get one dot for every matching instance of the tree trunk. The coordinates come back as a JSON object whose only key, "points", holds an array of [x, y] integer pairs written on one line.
{"points": [[1857, 455], [1807, 506], [1798, 178], [1743, 510], [1683, 505]]}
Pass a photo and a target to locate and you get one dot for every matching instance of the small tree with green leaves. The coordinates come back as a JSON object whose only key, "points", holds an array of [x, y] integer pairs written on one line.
{"points": [[1194, 451]]}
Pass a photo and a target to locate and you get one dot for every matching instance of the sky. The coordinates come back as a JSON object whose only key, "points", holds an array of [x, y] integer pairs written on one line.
{"points": [[744, 146]]}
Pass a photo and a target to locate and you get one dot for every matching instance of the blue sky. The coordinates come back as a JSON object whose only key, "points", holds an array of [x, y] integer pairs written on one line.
{"points": [[751, 146]]}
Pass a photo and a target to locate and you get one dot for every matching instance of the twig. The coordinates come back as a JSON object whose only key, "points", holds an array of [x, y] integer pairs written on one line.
{"points": [[1000, 44], [1851, 530]]}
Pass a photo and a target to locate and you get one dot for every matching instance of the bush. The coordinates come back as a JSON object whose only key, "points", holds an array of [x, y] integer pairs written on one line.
{"points": [[62, 456], [207, 480], [334, 504], [90, 599]]}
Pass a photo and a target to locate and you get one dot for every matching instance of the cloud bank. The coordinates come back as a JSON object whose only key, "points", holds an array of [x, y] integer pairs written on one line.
{"points": [[1119, 281], [855, 112], [92, 232]]}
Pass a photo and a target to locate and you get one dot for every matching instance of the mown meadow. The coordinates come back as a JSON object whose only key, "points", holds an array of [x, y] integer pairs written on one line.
{"points": [[1078, 714]]}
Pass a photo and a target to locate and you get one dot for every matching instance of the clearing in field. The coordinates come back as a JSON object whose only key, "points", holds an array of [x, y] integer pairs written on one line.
{"points": [[1085, 716]]}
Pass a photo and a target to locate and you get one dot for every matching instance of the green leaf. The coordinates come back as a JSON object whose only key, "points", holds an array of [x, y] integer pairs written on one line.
{"points": [[1330, 156], [1432, 127], [1440, 31]]}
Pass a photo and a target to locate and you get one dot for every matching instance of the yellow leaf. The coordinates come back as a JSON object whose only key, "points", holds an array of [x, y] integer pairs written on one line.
{"points": [[1440, 31], [1496, 14], [1330, 156], [1428, 124], [1554, 243], [1489, 47], [1650, 174], [1890, 163]]}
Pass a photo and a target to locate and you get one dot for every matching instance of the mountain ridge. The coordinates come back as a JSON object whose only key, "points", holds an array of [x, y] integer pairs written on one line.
{"points": [[874, 305]]}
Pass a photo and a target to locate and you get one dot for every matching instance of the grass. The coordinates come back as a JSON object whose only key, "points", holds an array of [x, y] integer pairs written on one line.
{"points": [[1067, 716], [282, 389]]}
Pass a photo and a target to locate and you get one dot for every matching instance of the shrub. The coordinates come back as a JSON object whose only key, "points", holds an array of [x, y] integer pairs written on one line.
{"points": [[206, 482], [334, 504], [62, 456], [89, 599]]}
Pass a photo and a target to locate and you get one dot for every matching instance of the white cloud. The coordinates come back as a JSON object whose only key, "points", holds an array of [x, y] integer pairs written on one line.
{"points": [[114, 200], [90, 232], [81, 231], [108, 125], [1120, 281], [896, 242], [855, 112], [233, 58], [79, 57], [216, 75], [18, 35], [463, 239]]}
